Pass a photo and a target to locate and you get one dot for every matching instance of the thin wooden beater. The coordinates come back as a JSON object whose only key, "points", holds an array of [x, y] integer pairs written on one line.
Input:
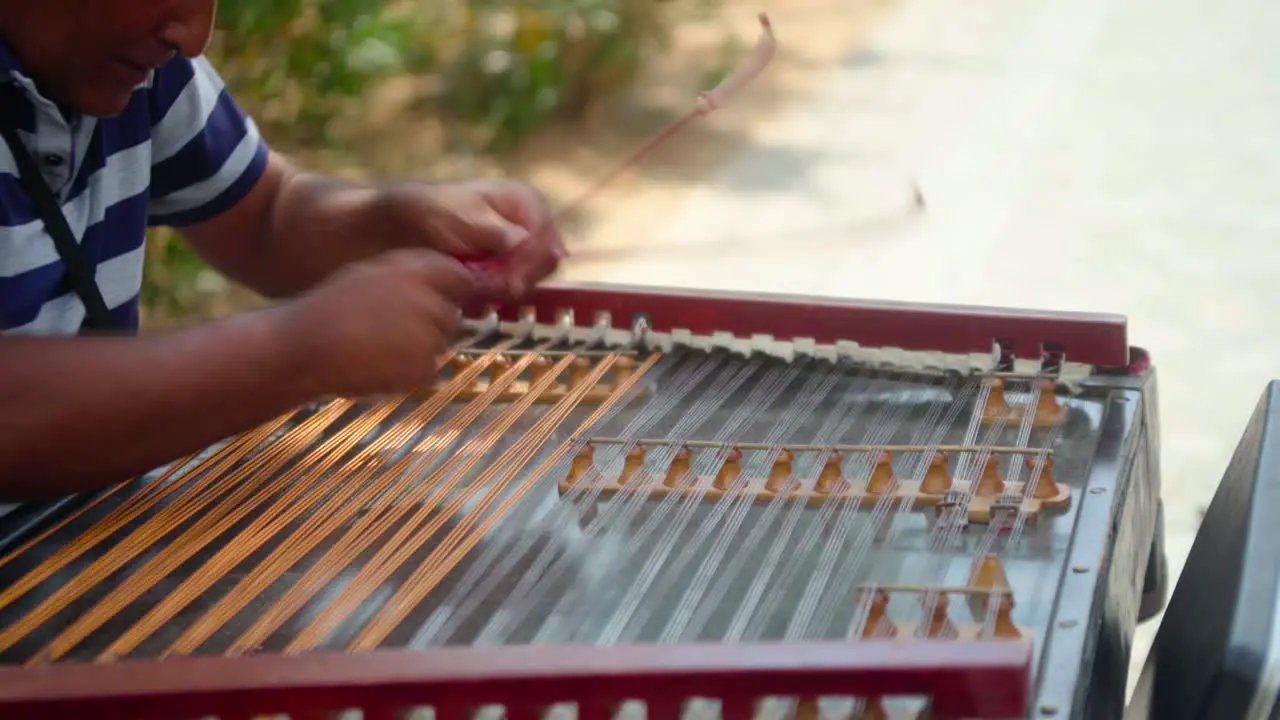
{"points": [[706, 103]]}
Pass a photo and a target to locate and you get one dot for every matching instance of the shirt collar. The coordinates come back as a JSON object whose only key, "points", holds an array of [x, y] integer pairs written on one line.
{"points": [[11, 71]]}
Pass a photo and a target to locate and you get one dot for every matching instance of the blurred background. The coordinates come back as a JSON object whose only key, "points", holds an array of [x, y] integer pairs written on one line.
{"points": [[1074, 154], [553, 91]]}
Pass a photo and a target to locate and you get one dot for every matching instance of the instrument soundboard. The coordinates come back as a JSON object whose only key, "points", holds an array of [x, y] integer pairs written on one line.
{"points": [[624, 502]]}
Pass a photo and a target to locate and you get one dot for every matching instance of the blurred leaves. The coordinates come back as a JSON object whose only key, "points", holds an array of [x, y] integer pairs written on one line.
{"points": [[490, 73]]}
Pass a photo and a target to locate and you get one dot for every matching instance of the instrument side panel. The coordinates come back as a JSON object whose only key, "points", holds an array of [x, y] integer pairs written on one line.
{"points": [[1084, 667]]}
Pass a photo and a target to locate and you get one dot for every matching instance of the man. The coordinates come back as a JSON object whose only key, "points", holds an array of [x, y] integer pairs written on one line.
{"points": [[129, 125]]}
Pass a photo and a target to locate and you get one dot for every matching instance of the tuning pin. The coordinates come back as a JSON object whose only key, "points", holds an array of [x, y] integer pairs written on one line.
{"points": [[881, 480], [582, 464], [1005, 627], [937, 479], [832, 475], [780, 472], [579, 369], [807, 709], [940, 625], [873, 709], [997, 408], [1048, 409], [680, 466], [623, 368], [461, 361], [1041, 469], [988, 574], [990, 484], [878, 624], [730, 470], [632, 464], [538, 369], [500, 365]]}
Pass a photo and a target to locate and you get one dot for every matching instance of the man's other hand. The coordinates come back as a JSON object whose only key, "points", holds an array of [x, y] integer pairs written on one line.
{"points": [[377, 326], [505, 225]]}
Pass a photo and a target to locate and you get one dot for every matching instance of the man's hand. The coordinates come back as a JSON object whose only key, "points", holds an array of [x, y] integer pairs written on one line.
{"points": [[128, 404], [379, 325], [503, 223], [294, 229]]}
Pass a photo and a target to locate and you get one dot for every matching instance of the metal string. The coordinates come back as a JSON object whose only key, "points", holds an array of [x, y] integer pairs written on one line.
{"points": [[515, 542], [250, 487], [953, 521], [424, 580], [319, 525], [735, 506], [533, 589], [835, 424], [885, 424], [942, 414], [581, 608], [545, 572], [418, 529], [758, 600], [815, 391]]}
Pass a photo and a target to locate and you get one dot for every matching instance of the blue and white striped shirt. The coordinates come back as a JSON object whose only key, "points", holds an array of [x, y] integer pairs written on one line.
{"points": [[181, 152]]}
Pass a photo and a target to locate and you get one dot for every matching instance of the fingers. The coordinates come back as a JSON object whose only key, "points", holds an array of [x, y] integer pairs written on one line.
{"points": [[532, 263], [441, 273], [489, 233], [444, 315], [535, 214], [500, 220]]}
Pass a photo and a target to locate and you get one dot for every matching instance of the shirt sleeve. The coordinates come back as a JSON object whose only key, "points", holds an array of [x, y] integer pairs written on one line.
{"points": [[206, 153]]}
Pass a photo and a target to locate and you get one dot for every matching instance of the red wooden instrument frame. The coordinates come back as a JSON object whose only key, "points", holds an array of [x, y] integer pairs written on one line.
{"points": [[989, 680], [965, 679], [1091, 338]]}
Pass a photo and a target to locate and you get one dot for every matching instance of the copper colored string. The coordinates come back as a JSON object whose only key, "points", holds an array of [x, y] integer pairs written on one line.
{"points": [[151, 532], [137, 542], [411, 535], [167, 518], [103, 496], [302, 540], [210, 526], [159, 489], [252, 538], [148, 497], [507, 468], [198, 495], [331, 510], [460, 541], [372, 525]]}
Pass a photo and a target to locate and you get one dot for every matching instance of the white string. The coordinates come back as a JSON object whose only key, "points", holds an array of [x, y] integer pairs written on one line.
{"points": [[441, 627]]}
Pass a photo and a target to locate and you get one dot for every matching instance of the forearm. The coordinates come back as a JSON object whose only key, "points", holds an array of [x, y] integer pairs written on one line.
{"points": [[309, 226], [317, 225], [82, 413]]}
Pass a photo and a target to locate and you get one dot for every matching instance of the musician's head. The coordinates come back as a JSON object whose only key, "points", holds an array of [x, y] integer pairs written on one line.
{"points": [[90, 54]]}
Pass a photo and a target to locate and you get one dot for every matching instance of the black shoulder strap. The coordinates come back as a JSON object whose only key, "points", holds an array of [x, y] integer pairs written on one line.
{"points": [[78, 270]]}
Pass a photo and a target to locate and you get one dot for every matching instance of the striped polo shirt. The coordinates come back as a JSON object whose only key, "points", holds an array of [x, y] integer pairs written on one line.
{"points": [[181, 152]]}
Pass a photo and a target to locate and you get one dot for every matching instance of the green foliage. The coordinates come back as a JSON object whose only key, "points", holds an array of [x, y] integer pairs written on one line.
{"points": [[515, 68], [297, 64], [490, 73], [498, 71]]}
